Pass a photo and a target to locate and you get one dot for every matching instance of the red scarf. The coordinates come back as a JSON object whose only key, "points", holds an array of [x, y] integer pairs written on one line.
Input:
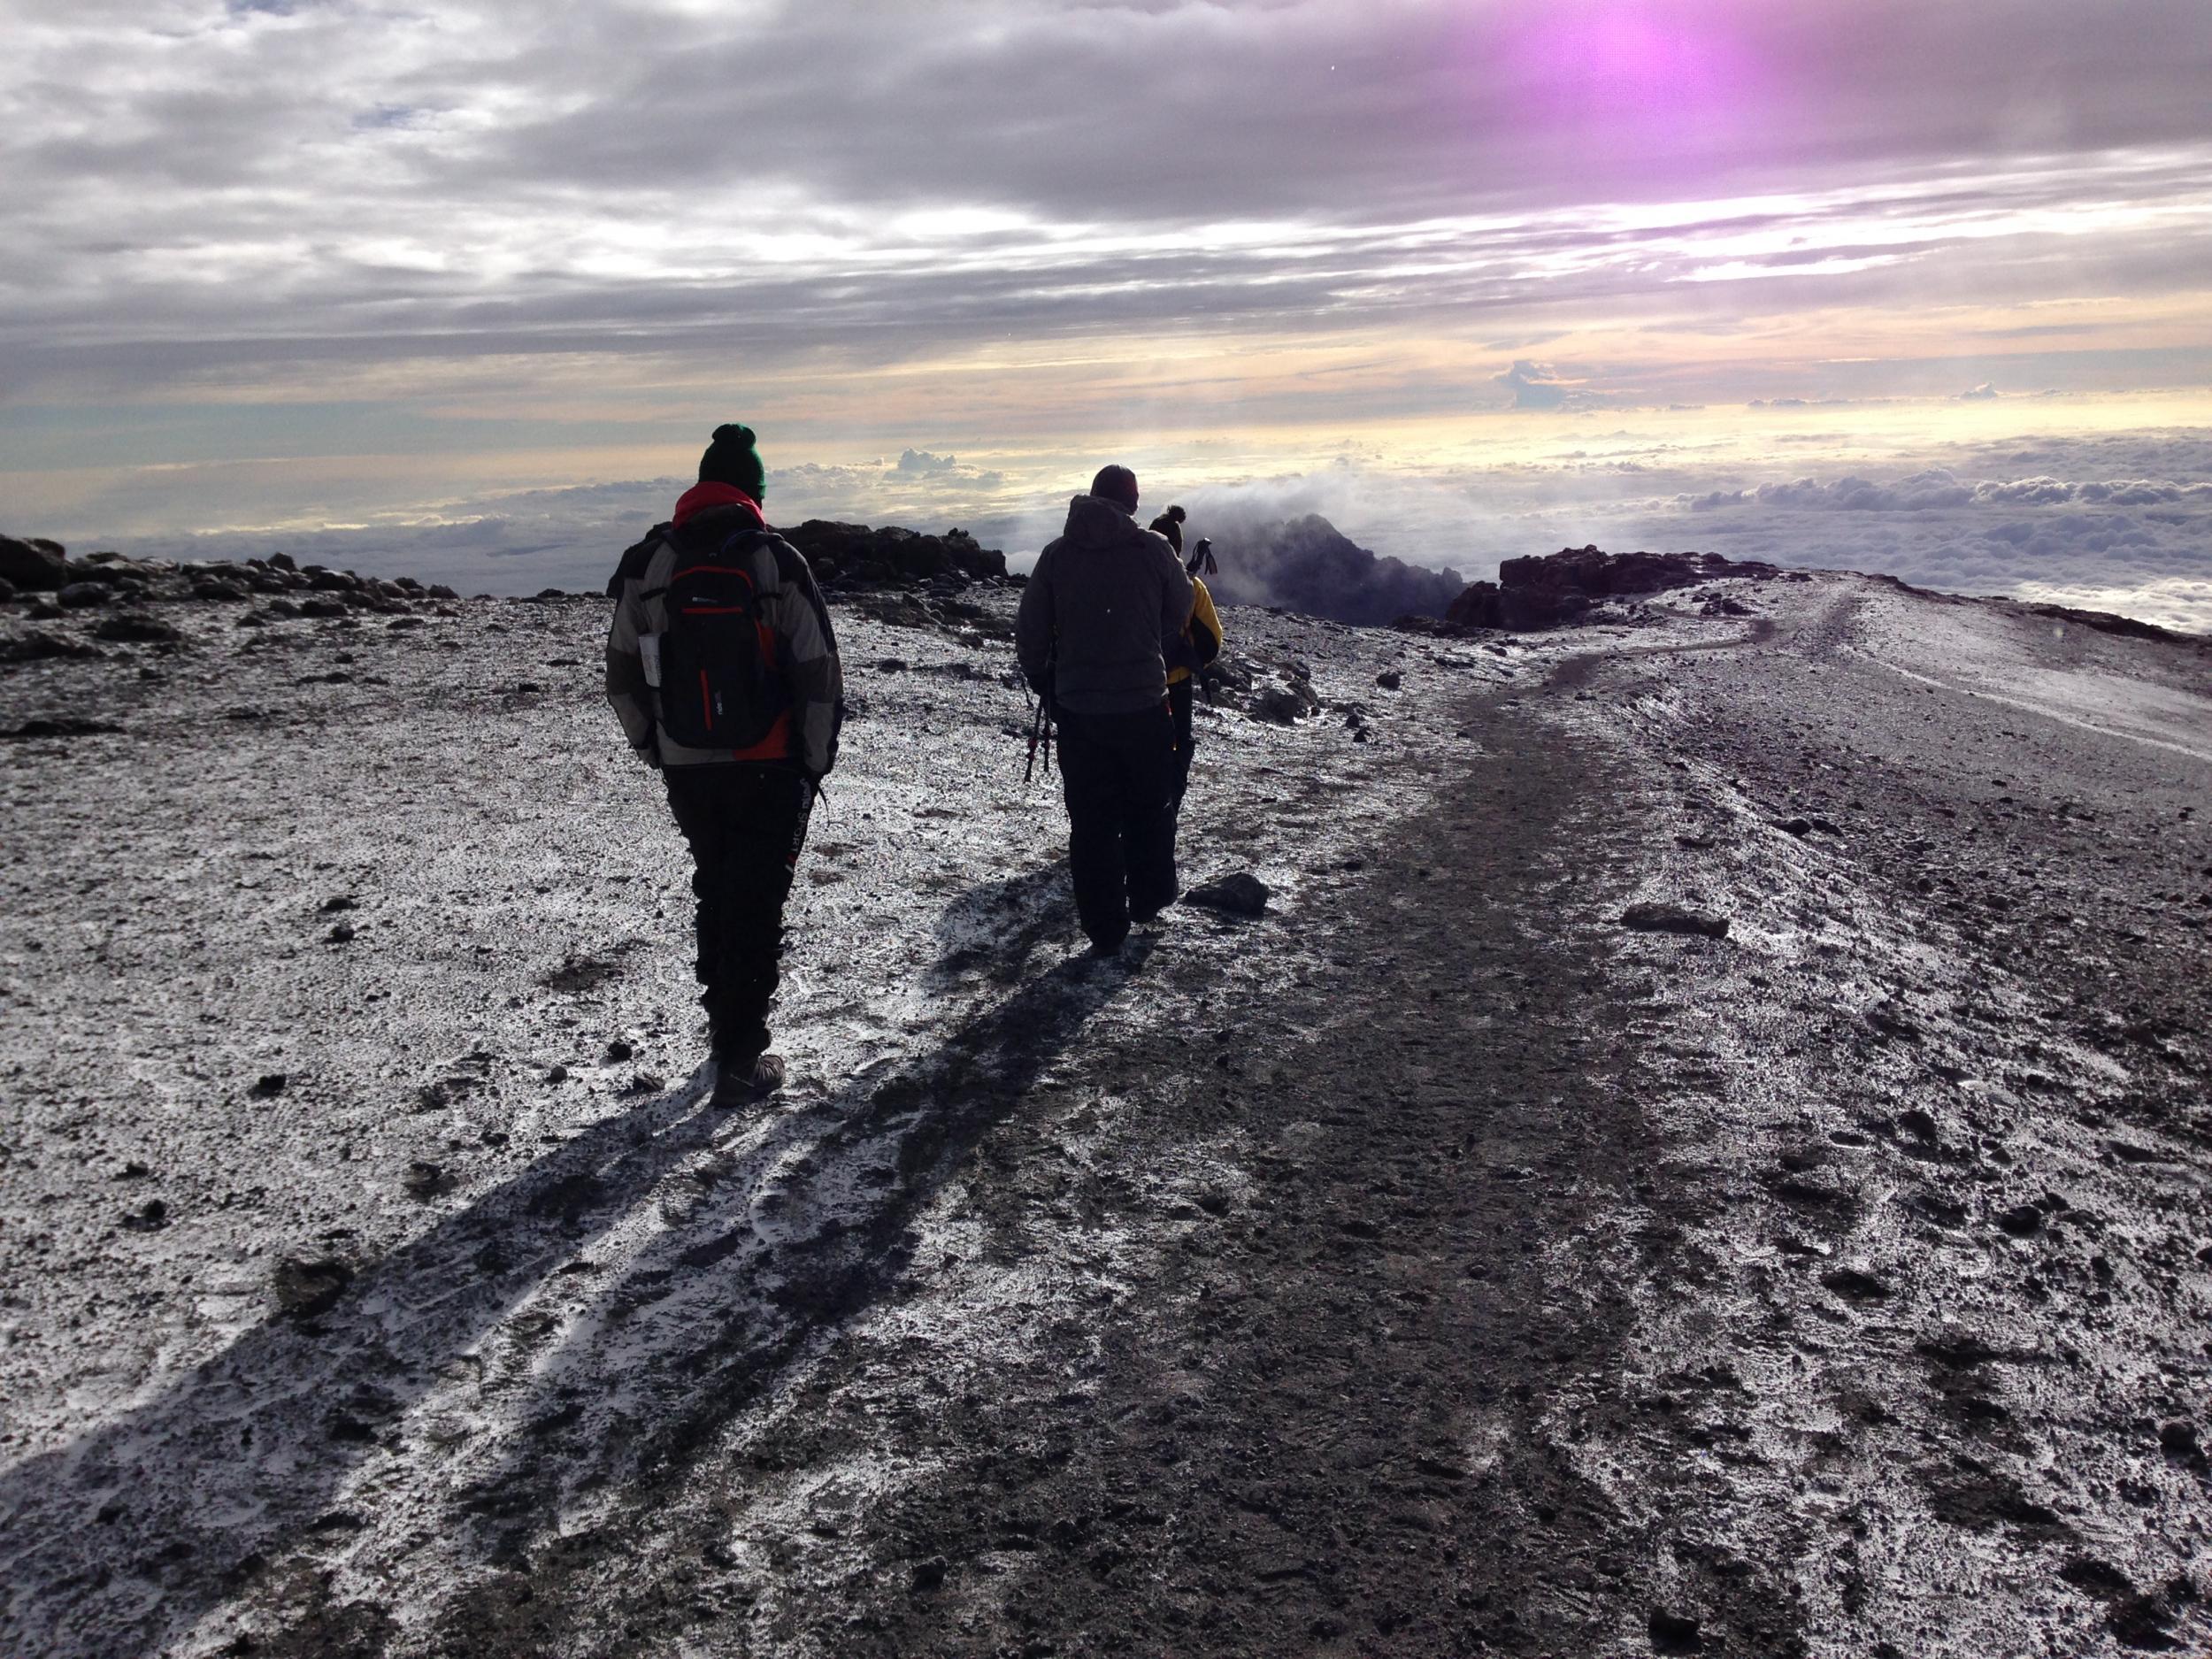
{"points": [[700, 497]]}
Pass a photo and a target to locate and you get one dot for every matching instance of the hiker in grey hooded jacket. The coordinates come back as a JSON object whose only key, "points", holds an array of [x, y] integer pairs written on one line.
{"points": [[1104, 600]]}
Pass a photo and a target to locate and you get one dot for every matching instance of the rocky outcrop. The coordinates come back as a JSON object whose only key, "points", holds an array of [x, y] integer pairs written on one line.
{"points": [[2106, 622], [1309, 566], [1536, 593], [35, 565], [854, 555], [1277, 689]]}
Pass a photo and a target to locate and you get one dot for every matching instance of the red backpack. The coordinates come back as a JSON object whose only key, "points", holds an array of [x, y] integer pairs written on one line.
{"points": [[719, 687]]}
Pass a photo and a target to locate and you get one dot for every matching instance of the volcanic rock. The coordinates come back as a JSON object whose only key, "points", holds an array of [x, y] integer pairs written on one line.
{"points": [[82, 596], [856, 553], [304, 1289], [35, 565], [37, 646], [1673, 919], [1307, 565], [61, 726], [1280, 701], [134, 627], [1242, 894], [424, 1179], [1853, 1284], [1559, 587], [2179, 1441], [2106, 622]]}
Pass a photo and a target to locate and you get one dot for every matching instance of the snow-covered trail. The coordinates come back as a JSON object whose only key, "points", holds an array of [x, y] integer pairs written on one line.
{"points": [[420, 895], [1432, 1267]]}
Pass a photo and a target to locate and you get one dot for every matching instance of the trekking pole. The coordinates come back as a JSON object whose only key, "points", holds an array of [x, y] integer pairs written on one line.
{"points": [[1041, 726]]}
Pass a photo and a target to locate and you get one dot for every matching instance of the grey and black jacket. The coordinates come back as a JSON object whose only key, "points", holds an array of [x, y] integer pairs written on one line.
{"points": [[805, 737], [1102, 601]]}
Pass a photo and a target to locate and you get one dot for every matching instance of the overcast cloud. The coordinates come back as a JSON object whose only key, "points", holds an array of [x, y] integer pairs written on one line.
{"points": [[312, 262]]}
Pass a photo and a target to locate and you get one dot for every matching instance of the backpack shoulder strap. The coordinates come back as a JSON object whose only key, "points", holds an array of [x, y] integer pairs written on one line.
{"points": [[631, 566]]}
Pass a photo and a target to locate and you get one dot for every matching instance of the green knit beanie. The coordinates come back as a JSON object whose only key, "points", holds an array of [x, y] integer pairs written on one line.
{"points": [[731, 459]]}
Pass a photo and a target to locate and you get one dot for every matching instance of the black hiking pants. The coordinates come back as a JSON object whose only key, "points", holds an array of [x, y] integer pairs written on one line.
{"points": [[746, 824], [1179, 702], [1118, 771]]}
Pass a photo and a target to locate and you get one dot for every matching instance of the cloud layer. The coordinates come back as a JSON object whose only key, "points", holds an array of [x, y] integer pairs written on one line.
{"points": [[2120, 522], [200, 192], [362, 263]]}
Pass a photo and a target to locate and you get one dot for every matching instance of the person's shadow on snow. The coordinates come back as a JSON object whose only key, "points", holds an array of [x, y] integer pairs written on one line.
{"points": [[153, 1517], [808, 1223], [140, 1527]]}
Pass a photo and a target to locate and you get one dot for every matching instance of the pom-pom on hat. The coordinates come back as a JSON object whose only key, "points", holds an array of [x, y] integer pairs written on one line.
{"points": [[731, 459], [1117, 484]]}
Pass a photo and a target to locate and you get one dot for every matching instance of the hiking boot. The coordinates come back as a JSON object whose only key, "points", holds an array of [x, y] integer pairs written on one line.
{"points": [[1151, 917], [739, 1084]]}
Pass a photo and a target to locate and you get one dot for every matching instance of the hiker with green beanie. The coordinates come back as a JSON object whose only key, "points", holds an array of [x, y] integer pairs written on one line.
{"points": [[723, 669], [731, 459]]}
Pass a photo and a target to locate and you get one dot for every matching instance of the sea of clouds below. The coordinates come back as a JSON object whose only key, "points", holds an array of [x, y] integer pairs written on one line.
{"points": [[2120, 523]]}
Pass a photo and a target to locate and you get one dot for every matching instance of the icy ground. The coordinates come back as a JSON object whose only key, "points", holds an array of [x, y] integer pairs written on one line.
{"points": [[1430, 1266]]}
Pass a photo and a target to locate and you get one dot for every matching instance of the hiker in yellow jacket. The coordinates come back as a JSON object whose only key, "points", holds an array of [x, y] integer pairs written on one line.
{"points": [[1199, 644]]}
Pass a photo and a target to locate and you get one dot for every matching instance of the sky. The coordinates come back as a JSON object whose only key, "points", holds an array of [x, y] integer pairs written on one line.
{"points": [[462, 287]]}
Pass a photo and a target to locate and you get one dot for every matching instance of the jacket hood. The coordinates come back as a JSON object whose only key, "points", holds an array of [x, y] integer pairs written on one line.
{"points": [[702, 496], [1095, 522]]}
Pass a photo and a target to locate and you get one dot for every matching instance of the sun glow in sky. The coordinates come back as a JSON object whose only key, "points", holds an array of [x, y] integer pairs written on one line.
{"points": [[390, 275]]}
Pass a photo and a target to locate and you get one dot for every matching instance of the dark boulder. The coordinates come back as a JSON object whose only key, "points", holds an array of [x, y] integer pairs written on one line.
{"points": [[304, 1289], [1673, 919], [37, 646], [1536, 593], [1242, 894], [134, 627], [35, 565], [1283, 700], [61, 726], [856, 552], [82, 596]]}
